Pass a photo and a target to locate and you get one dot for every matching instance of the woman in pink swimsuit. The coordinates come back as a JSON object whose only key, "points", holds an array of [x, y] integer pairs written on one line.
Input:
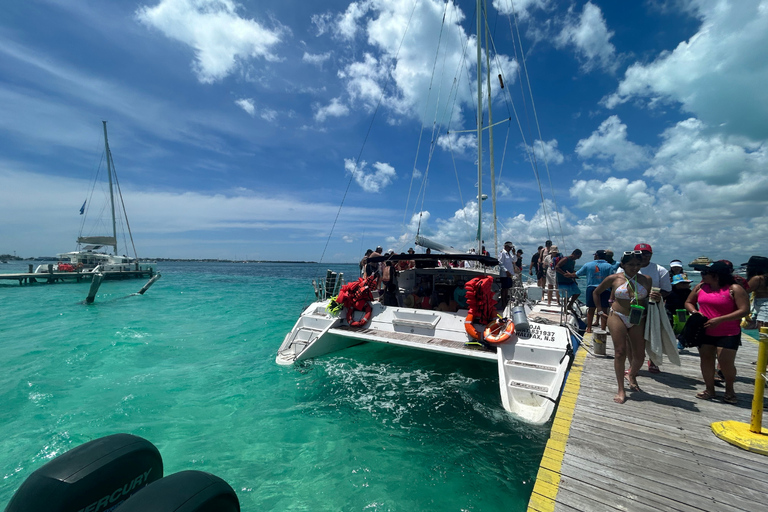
{"points": [[724, 303], [628, 289]]}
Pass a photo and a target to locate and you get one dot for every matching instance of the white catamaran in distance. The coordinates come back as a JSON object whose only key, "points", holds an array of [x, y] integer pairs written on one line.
{"points": [[88, 258], [530, 344]]}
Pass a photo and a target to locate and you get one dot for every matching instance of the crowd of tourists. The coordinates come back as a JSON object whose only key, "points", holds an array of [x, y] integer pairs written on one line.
{"points": [[619, 294]]}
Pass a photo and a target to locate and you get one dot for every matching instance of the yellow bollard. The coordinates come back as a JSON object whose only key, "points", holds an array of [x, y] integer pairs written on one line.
{"points": [[752, 437], [756, 424]]}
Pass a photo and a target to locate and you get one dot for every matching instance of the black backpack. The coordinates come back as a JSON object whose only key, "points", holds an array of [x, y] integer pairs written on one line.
{"points": [[693, 332]]}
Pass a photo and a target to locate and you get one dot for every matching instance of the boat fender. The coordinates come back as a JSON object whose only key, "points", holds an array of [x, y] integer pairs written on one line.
{"points": [[96, 476], [367, 309], [186, 491], [499, 331]]}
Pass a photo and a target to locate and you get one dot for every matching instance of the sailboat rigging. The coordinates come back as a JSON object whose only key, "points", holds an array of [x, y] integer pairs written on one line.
{"points": [[90, 256], [444, 309]]}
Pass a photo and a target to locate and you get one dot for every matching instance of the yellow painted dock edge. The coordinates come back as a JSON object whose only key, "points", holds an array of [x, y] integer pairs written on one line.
{"points": [[548, 478]]}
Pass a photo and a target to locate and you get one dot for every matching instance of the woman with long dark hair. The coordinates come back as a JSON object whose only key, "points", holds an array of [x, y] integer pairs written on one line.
{"points": [[723, 303], [626, 319]]}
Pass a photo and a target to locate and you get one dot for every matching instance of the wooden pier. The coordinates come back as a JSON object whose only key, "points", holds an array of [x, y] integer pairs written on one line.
{"points": [[654, 452], [60, 277]]}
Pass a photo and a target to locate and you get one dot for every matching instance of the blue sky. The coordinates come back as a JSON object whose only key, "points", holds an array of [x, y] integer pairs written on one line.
{"points": [[238, 127]]}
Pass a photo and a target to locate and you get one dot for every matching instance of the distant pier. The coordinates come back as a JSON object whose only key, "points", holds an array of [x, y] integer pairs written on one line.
{"points": [[655, 452], [53, 276]]}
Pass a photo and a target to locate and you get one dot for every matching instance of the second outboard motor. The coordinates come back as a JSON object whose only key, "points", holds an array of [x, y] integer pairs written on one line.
{"points": [[186, 491], [96, 476]]}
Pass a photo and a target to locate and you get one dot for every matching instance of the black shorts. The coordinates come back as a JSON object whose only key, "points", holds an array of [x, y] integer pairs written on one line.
{"points": [[541, 274], [731, 342], [506, 282]]}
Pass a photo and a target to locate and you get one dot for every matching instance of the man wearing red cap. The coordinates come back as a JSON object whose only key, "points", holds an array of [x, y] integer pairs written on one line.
{"points": [[660, 279]]}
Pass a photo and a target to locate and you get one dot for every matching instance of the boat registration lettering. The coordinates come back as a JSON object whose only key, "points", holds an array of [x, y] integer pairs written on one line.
{"points": [[537, 332]]}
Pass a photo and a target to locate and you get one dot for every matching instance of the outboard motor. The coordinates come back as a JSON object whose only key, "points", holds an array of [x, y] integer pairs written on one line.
{"points": [[94, 477], [186, 491]]}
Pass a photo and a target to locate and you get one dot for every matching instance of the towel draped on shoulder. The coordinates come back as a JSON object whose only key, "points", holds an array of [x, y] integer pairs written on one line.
{"points": [[659, 335]]}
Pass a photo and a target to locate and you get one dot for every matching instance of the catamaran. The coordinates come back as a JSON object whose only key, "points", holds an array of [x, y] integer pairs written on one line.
{"points": [[448, 309], [91, 255]]}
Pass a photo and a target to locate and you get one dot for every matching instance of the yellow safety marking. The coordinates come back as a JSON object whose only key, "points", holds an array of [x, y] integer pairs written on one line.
{"points": [[738, 434], [541, 503], [548, 478]]}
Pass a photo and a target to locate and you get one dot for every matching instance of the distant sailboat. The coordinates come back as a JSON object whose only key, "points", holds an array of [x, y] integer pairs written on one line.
{"points": [[88, 258]]}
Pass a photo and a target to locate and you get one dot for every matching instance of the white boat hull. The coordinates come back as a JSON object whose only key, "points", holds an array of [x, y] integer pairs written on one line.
{"points": [[532, 364]]}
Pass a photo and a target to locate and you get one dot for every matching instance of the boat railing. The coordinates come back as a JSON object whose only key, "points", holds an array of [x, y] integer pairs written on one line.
{"points": [[329, 286]]}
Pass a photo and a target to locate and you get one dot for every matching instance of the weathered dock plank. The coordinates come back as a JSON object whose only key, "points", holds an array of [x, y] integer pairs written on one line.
{"points": [[654, 452]]}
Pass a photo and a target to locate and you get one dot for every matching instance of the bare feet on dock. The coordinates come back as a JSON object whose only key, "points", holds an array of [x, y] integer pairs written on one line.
{"points": [[620, 398]]}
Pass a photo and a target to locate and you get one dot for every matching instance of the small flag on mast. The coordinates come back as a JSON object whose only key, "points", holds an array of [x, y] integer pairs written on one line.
{"points": [[82, 208]]}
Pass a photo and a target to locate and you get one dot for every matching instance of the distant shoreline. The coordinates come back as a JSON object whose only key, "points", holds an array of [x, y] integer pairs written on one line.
{"points": [[192, 260]]}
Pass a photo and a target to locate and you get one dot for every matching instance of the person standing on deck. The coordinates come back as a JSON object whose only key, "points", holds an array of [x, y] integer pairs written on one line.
{"points": [[548, 263], [566, 277], [507, 260], [660, 279], [626, 320], [364, 263], [542, 271], [535, 267], [723, 303], [595, 272], [675, 268], [519, 266]]}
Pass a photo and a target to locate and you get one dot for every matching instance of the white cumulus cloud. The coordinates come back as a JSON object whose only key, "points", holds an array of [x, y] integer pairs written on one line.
{"points": [[220, 38], [382, 174], [609, 142], [589, 35], [719, 74], [334, 109]]}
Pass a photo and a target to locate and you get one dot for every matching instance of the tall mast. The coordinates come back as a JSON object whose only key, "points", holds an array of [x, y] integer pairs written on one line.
{"points": [[111, 194], [490, 136], [479, 132]]}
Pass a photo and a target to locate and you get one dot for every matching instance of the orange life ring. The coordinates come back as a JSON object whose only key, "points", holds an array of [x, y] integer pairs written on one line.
{"points": [[499, 331], [359, 323], [471, 328]]}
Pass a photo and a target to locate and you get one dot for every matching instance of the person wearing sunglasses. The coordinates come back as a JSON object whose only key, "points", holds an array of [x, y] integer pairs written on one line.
{"points": [[723, 303], [626, 319], [660, 278]]}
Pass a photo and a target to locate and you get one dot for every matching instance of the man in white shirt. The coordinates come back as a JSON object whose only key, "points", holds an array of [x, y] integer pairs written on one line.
{"points": [[659, 279], [507, 260]]}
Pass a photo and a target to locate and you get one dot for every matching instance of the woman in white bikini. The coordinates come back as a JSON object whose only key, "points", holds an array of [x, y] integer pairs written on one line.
{"points": [[626, 320]]}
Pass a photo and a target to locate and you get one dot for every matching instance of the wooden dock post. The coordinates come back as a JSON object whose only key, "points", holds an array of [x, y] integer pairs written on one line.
{"points": [[599, 337]]}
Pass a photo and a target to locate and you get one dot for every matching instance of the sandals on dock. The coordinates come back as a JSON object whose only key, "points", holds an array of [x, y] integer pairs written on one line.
{"points": [[706, 395], [730, 399]]}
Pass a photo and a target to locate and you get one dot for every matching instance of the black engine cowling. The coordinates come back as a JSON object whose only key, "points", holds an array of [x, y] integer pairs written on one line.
{"points": [[94, 477], [186, 491]]}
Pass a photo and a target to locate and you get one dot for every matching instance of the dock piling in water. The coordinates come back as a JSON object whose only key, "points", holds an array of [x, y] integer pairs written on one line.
{"points": [[149, 283], [95, 283]]}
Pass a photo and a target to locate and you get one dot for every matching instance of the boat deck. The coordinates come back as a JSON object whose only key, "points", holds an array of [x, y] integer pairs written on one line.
{"points": [[654, 452], [541, 314]]}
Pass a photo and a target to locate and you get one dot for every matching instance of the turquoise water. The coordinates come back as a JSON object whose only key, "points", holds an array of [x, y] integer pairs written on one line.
{"points": [[190, 367]]}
